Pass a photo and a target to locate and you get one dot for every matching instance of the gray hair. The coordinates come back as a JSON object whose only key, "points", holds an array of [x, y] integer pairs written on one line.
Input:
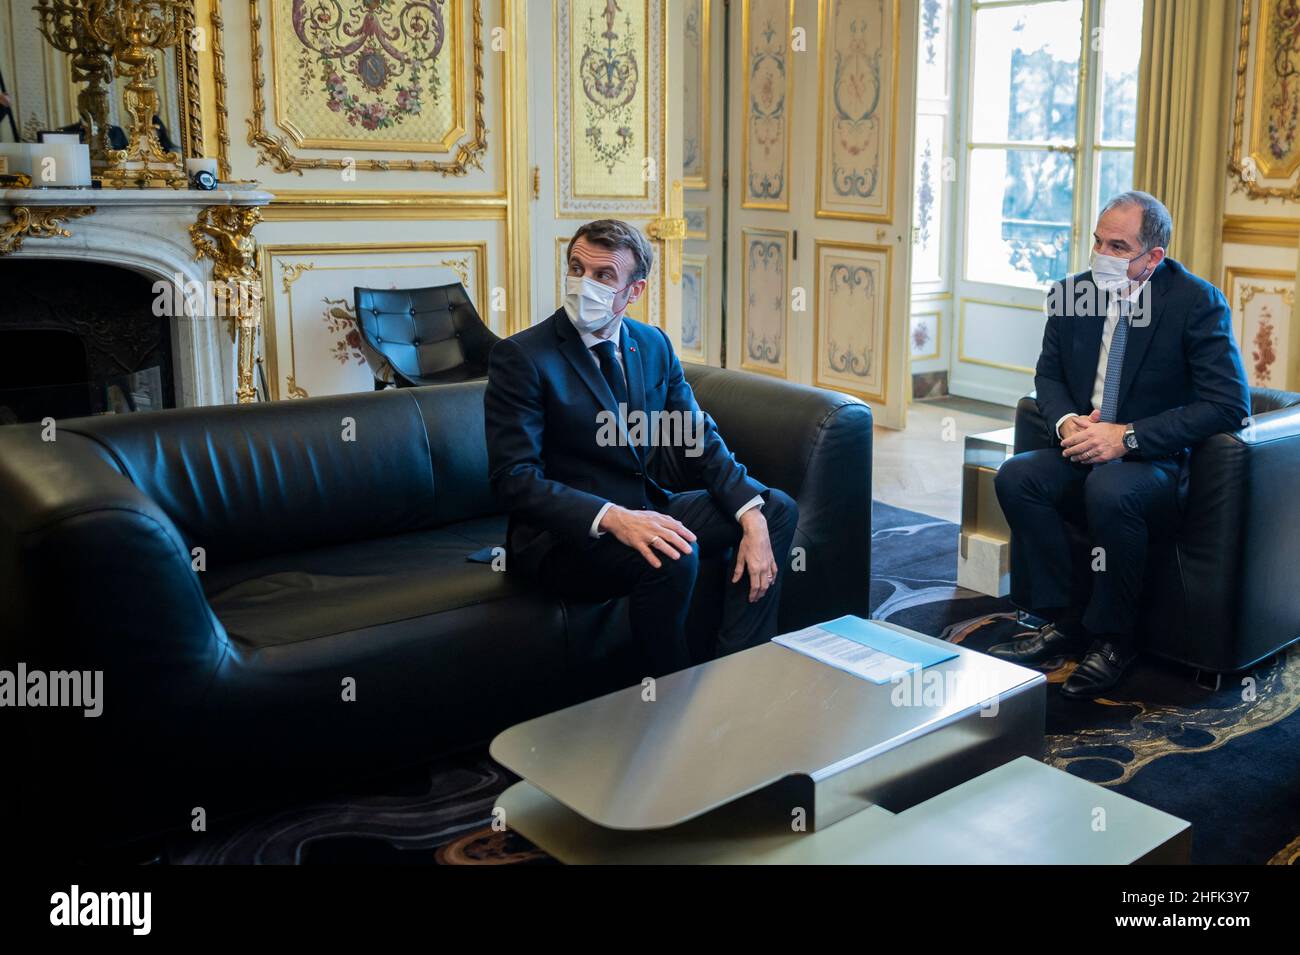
{"points": [[617, 234], [1157, 224]]}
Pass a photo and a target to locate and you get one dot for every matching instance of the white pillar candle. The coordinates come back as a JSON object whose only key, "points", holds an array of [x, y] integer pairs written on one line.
{"points": [[60, 164]]}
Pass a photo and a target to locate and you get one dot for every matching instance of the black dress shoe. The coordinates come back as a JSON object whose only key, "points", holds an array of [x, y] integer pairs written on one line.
{"points": [[1045, 643], [1100, 670]]}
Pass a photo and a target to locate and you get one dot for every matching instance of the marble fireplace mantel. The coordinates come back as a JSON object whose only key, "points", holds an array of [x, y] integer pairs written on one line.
{"points": [[170, 235]]}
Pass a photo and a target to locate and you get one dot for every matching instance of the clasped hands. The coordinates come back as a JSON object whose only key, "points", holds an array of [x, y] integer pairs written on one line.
{"points": [[651, 534], [1089, 440]]}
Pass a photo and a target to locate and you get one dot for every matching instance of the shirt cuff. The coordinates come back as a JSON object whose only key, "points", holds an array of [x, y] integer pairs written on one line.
{"points": [[1061, 421], [596, 523], [755, 501]]}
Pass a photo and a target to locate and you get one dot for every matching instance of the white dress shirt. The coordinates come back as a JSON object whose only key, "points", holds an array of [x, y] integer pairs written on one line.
{"points": [[1107, 333], [591, 341]]}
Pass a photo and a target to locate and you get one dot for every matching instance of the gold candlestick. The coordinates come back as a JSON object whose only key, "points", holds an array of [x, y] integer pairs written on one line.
{"points": [[136, 30], [63, 24]]}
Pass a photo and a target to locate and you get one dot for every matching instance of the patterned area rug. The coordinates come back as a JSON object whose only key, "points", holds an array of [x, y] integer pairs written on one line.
{"points": [[1223, 759]]}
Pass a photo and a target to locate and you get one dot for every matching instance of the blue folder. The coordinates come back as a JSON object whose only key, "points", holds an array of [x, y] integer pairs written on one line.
{"points": [[873, 635]]}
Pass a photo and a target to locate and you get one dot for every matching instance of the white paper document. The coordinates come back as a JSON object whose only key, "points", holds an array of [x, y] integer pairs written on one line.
{"points": [[837, 651]]}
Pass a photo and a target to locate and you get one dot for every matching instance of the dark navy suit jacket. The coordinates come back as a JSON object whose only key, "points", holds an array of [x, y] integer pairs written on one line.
{"points": [[544, 394], [1182, 378]]}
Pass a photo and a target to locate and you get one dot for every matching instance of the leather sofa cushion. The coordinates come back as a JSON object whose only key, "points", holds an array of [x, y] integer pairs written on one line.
{"points": [[454, 436], [1264, 400], [358, 586], [244, 481]]}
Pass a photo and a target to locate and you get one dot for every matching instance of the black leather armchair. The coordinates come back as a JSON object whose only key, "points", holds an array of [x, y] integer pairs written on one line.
{"points": [[426, 336], [271, 603], [1224, 592]]}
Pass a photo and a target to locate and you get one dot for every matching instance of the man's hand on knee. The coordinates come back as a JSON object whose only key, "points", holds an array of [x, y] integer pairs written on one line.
{"points": [[648, 532], [755, 555]]}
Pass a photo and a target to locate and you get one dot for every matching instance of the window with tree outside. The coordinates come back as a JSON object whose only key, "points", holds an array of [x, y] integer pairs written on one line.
{"points": [[1051, 121]]}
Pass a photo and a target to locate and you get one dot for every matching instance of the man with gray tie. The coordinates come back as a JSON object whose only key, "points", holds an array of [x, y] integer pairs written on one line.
{"points": [[1138, 366]]}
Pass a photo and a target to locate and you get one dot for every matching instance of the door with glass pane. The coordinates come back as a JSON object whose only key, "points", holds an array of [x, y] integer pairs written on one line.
{"points": [[1050, 120]]}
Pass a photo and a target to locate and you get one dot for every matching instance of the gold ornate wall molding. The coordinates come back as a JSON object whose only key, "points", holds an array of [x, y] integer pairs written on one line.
{"points": [[37, 222], [1261, 230], [221, 113], [467, 260], [514, 87], [187, 68], [276, 151], [1260, 159], [296, 205]]}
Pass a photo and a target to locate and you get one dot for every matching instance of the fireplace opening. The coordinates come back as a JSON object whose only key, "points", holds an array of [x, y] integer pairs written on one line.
{"points": [[43, 372], [80, 338]]}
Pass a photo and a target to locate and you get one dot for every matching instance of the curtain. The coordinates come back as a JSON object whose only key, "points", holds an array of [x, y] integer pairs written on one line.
{"points": [[1184, 122]]}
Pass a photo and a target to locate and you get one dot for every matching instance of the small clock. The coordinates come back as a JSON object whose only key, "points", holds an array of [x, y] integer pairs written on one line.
{"points": [[203, 180]]}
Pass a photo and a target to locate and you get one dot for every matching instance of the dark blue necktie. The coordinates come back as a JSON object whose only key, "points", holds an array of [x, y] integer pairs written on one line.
{"points": [[1115, 366], [613, 372]]}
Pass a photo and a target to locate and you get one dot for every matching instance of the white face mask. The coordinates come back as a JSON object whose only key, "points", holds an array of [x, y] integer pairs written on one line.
{"points": [[1110, 272], [588, 303]]}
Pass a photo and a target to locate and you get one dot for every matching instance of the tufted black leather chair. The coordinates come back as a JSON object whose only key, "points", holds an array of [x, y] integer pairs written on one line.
{"points": [[427, 336], [1224, 592]]}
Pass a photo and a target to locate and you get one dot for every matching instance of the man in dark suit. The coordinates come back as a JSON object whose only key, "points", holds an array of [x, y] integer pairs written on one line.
{"points": [[1138, 366], [601, 506]]}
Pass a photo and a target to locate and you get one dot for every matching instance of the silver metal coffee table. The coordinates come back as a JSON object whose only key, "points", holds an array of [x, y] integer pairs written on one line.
{"points": [[809, 738], [1023, 812]]}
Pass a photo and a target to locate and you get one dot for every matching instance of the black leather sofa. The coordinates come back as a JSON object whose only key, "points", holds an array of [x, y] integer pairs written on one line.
{"points": [[1224, 592], [278, 595]]}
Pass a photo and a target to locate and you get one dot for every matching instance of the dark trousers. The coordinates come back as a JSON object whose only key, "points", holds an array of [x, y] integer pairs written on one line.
{"points": [[659, 597], [1061, 512]]}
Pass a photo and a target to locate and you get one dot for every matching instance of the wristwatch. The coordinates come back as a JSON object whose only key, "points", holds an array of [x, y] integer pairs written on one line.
{"points": [[1130, 439]]}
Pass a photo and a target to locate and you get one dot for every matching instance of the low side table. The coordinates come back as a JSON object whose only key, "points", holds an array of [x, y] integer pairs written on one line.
{"points": [[984, 553]]}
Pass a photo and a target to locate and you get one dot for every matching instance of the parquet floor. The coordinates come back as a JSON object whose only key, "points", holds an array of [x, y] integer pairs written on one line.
{"points": [[919, 468]]}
